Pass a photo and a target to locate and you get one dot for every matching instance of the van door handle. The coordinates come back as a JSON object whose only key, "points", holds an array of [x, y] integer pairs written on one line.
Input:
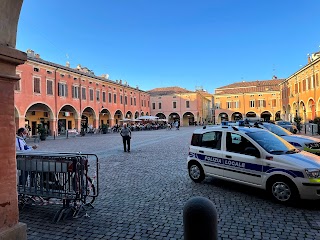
{"points": [[200, 151], [228, 156]]}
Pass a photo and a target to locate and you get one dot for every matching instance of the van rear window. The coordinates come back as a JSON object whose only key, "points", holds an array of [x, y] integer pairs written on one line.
{"points": [[196, 139]]}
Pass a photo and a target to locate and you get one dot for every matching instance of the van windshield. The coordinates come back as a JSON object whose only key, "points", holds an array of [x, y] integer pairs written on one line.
{"points": [[272, 143]]}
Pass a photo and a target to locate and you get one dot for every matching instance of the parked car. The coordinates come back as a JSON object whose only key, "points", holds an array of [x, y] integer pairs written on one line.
{"points": [[288, 126], [254, 157], [309, 144]]}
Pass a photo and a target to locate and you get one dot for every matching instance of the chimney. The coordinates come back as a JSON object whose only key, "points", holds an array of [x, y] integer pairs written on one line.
{"points": [[37, 55], [30, 53], [68, 64], [120, 81]]}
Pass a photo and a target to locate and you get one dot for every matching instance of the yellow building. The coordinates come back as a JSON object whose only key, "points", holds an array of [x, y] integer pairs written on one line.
{"points": [[300, 92], [256, 99]]}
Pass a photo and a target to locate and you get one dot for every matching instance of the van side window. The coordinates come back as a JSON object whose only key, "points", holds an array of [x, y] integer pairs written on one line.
{"points": [[236, 143], [211, 140], [196, 139]]}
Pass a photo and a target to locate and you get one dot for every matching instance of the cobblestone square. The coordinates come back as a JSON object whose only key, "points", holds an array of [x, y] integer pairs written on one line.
{"points": [[142, 195]]}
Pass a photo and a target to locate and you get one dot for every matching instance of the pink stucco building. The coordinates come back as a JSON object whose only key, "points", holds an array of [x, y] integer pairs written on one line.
{"points": [[175, 103]]}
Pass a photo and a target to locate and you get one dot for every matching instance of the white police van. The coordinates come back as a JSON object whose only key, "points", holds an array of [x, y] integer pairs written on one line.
{"points": [[254, 157]]}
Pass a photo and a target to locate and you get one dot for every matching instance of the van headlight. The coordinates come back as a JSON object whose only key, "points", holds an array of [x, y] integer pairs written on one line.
{"points": [[313, 173]]}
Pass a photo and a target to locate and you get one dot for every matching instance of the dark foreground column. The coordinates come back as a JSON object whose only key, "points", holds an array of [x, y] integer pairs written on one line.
{"points": [[200, 219]]}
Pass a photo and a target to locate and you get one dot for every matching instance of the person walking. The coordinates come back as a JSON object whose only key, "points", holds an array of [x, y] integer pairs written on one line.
{"points": [[126, 136]]}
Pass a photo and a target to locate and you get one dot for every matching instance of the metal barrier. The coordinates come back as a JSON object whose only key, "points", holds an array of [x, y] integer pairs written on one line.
{"points": [[66, 176]]}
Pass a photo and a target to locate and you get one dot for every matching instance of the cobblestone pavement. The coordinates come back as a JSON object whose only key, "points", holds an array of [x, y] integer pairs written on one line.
{"points": [[142, 195]]}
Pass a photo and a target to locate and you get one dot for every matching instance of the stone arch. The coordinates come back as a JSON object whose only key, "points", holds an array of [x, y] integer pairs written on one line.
{"points": [[88, 118], [289, 113], [236, 116], [129, 115], [251, 114], [141, 114], [188, 119], [118, 115], [39, 113], [161, 116], [173, 117], [311, 109], [223, 117], [147, 114], [302, 110], [104, 117], [266, 116], [277, 116], [136, 114], [67, 118]]}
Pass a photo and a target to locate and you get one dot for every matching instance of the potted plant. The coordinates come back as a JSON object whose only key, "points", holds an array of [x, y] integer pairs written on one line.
{"points": [[42, 132], [104, 128]]}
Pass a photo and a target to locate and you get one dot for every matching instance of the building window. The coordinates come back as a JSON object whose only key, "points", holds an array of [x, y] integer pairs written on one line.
{"points": [[84, 95], [135, 101], [36, 69], [252, 103], [62, 90], [174, 104], [75, 91], [103, 96], [91, 94], [125, 100], [160, 105], [17, 85], [114, 98], [110, 98], [98, 95], [49, 87], [131, 101], [187, 104], [148, 103], [218, 105], [145, 103], [142, 103], [229, 104], [36, 85], [236, 104], [121, 99], [304, 85], [261, 103], [153, 105]]}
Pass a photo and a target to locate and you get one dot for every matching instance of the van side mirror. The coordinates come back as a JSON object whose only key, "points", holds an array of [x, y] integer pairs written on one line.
{"points": [[252, 152]]}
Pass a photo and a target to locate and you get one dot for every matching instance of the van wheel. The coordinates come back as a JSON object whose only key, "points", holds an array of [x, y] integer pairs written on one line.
{"points": [[196, 172], [283, 190]]}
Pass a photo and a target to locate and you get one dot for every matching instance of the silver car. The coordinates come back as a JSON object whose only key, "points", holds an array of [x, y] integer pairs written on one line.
{"points": [[288, 126]]}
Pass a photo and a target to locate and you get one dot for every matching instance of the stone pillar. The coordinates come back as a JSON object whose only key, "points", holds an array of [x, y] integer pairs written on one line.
{"points": [[95, 123], [78, 124], [111, 122], [20, 122], [53, 127], [10, 228]]}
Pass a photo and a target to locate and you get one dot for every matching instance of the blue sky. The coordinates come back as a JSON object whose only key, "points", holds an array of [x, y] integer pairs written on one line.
{"points": [[153, 43]]}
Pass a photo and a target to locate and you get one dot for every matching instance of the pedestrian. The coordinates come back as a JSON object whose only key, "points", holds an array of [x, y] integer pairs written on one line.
{"points": [[126, 136], [21, 144]]}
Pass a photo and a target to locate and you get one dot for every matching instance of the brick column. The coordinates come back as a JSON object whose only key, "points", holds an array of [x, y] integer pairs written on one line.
{"points": [[53, 127], [78, 124], [10, 228]]}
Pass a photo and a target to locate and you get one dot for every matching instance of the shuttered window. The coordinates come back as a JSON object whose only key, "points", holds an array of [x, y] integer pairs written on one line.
{"points": [[83, 94], [62, 90], [103, 96], [49, 87], [91, 94], [75, 92], [36, 85]]}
